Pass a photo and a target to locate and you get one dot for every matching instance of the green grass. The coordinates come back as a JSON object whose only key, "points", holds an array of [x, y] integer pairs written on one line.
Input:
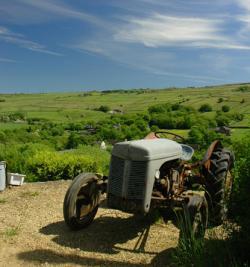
{"points": [[76, 103], [238, 134], [3, 200], [10, 232], [11, 125], [80, 106], [30, 194]]}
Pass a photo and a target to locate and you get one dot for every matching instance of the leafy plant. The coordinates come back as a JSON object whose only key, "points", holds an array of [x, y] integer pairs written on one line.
{"points": [[205, 108]]}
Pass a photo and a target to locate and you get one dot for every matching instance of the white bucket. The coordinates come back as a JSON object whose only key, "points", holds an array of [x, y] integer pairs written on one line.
{"points": [[2, 175]]}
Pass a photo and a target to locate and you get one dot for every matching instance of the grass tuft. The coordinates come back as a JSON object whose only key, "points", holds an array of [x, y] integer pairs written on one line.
{"points": [[10, 232], [3, 200]]}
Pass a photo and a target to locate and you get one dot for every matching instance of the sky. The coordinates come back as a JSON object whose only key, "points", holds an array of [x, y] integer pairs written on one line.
{"points": [[62, 45]]}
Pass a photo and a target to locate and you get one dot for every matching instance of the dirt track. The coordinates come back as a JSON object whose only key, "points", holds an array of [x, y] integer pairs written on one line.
{"points": [[32, 232]]}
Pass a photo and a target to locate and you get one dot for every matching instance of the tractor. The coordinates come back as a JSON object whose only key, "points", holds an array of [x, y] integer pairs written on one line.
{"points": [[156, 173]]}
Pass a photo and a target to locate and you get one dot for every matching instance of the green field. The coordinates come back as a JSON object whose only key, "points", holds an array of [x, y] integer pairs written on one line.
{"points": [[81, 106]]}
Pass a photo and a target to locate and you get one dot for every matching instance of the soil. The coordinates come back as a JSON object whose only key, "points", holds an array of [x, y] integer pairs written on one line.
{"points": [[32, 232]]}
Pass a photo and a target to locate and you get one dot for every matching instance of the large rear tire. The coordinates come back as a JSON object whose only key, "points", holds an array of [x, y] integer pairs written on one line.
{"points": [[219, 184], [81, 201]]}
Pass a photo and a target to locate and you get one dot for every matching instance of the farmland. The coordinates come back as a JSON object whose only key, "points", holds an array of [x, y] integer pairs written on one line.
{"points": [[79, 106], [45, 124], [55, 136]]}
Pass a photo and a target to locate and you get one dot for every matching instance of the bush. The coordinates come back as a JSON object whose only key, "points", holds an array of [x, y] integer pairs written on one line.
{"points": [[16, 155], [202, 136], [222, 120], [243, 88], [205, 108], [241, 199], [52, 165], [104, 108], [225, 108]]}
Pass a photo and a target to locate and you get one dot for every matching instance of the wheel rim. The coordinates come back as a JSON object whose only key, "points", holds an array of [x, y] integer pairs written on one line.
{"points": [[86, 201]]}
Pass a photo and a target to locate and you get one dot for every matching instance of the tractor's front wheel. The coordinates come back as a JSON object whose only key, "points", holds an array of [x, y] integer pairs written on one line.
{"points": [[194, 219], [81, 201]]}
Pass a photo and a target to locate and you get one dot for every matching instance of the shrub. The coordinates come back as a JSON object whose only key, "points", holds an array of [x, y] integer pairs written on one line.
{"points": [[237, 116], [205, 108], [225, 108], [104, 108], [241, 199], [222, 120], [53, 165], [74, 140], [243, 88]]}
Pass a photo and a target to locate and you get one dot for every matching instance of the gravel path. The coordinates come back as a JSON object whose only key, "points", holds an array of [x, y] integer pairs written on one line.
{"points": [[32, 232]]}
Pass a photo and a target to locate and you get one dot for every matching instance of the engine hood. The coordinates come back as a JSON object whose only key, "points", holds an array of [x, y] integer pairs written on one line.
{"points": [[148, 149]]}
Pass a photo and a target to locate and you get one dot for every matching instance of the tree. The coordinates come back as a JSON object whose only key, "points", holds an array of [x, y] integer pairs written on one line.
{"points": [[225, 108], [220, 100], [205, 108], [104, 108]]}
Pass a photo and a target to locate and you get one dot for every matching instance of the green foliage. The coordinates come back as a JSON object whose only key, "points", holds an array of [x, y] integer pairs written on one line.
{"points": [[10, 232], [42, 163], [74, 140], [3, 200], [17, 155], [222, 120], [121, 127], [104, 108], [220, 100], [176, 116], [202, 136], [241, 199], [205, 108], [52, 165], [243, 88], [225, 108], [160, 108], [237, 116], [13, 116]]}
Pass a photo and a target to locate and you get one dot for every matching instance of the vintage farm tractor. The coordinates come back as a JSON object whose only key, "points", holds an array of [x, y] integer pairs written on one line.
{"points": [[154, 173]]}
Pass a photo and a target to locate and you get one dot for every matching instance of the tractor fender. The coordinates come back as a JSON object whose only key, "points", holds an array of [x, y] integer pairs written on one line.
{"points": [[206, 159]]}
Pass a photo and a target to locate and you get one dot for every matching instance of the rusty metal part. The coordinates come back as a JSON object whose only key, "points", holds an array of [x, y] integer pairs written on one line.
{"points": [[206, 160], [150, 136], [176, 136]]}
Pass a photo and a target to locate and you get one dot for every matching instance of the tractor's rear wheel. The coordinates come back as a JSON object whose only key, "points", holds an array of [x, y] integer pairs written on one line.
{"points": [[81, 201], [219, 184]]}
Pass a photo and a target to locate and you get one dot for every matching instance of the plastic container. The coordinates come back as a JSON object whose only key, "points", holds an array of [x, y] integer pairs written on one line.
{"points": [[2, 175], [15, 178]]}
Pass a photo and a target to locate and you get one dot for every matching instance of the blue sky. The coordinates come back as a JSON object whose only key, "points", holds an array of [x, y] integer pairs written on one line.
{"points": [[59, 45]]}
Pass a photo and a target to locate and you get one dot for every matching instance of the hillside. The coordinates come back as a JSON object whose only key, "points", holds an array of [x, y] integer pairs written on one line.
{"points": [[65, 107]]}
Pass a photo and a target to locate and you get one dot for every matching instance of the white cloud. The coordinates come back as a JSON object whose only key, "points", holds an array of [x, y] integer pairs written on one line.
{"points": [[244, 4], [153, 61], [18, 39], [162, 30], [61, 9], [7, 60], [30, 12]]}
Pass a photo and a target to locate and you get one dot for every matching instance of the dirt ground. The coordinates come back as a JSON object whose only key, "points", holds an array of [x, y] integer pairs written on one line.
{"points": [[32, 232]]}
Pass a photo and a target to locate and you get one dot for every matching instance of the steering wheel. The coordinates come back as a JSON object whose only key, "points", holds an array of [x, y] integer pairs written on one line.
{"points": [[173, 136]]}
